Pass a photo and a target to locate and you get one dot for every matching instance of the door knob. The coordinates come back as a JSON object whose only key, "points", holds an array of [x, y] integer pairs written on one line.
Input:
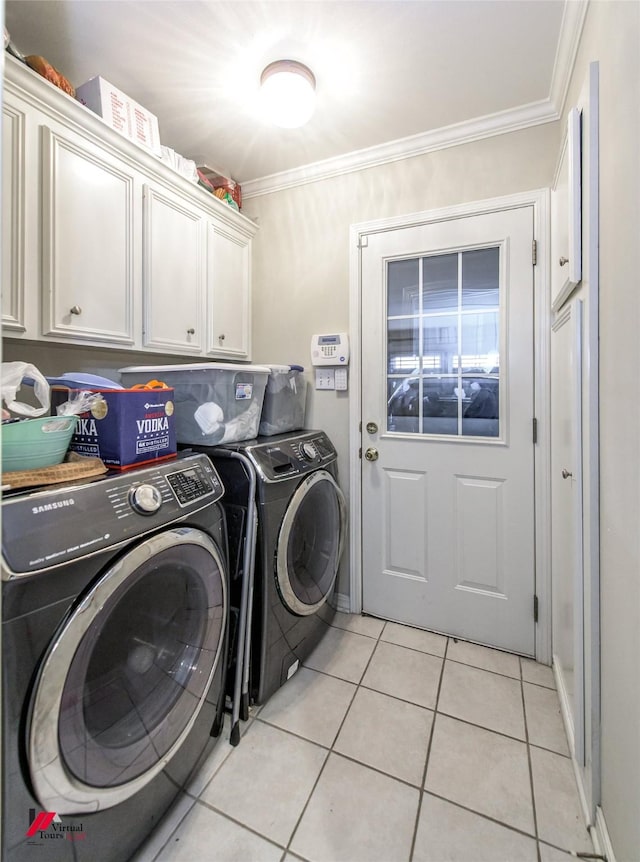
{"points": [[566, 473], [371, 454], [75, 309]]}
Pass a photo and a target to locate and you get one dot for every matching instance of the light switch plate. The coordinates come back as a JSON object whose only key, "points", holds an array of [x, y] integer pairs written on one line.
{"points": [[325, 378]]}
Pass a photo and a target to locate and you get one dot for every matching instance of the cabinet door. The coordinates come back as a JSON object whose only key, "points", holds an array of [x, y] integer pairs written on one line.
{"points": [[173, 272], [13, 220], [87, 241], [229, 311]]}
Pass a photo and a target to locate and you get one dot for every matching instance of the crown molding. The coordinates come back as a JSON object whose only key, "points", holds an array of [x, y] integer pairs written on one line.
{"points": [[503, 122], [405, 148], [573, 18]]}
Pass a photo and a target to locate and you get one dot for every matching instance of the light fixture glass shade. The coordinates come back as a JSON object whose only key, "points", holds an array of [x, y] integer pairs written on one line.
{"points": [[288, 91]]}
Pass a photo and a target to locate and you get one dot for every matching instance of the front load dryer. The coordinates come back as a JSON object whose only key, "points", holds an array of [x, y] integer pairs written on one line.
{"points": [[115, 621], [301, 523]]}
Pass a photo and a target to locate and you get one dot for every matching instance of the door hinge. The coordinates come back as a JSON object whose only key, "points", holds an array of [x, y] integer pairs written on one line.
{"points": [[534, 252], [535, 609], [363, 241], [360, 453], [535, 429]]}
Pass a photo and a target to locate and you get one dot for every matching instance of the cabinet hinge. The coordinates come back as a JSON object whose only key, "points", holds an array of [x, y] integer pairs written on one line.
{"points": [[534, 252], [363, 241], [535, 609], [535, 429]]}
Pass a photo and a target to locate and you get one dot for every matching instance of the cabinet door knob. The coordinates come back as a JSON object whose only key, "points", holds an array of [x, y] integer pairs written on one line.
{"points": [[75, 309], [563, 260], [221, 337], [566, 474], [191, 331]]}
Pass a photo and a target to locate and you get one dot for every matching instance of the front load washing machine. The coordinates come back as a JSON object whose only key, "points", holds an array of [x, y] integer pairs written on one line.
{"points": [[301, 518], [115, 621]]}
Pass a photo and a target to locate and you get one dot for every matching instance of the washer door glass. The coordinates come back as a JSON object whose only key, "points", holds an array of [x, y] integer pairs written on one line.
{"points": [[131, 666], [310, 543]]}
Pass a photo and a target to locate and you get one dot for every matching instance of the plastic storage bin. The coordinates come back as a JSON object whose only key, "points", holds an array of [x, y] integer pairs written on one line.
{"points": [[284, 400], [214, 403]]}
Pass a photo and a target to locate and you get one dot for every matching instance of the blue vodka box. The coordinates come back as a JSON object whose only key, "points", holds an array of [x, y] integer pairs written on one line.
{"points": [[124, 427]]}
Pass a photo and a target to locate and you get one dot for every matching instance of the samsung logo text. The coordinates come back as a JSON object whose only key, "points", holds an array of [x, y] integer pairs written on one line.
{"points": [[49, 507]]}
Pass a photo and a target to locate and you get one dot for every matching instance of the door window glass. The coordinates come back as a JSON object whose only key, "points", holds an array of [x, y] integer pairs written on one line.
{"points": [[443, 344]]}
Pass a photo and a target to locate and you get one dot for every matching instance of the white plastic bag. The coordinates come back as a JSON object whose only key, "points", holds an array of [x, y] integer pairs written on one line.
{"points": [[80, 402], [13, 373], [186, 167]]}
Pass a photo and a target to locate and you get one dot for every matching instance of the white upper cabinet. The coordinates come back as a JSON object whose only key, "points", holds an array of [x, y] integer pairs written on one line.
{"points": [[174, 274], [13, 219], [229, 292], [88, 241], [104, 244]]}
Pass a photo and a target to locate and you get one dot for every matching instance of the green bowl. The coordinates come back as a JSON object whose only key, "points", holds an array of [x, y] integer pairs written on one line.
{"points": [[34, 443]]}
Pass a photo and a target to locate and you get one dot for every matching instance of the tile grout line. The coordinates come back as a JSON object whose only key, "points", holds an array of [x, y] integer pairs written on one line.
{"points": [[248, 723], [483, 816], [426, 760], [330, 750], [531, 787], [239, 823], [188, 795], [173, 831], [422, 706]]}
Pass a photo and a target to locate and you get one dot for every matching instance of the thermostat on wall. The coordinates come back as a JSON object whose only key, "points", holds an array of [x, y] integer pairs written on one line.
{"points": [[330, 349]]}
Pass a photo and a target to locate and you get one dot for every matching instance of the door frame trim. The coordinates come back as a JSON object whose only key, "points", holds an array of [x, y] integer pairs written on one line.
{"points": [[539, 199]]}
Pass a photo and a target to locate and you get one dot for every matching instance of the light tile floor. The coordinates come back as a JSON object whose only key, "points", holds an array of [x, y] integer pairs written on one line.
{"points": [[389, 745]]}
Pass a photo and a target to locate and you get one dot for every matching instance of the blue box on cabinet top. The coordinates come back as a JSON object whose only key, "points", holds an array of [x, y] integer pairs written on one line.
{"points": [[125, 427]]}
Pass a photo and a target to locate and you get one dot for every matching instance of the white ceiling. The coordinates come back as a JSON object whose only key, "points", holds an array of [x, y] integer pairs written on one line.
{"points": [[386, 71]]}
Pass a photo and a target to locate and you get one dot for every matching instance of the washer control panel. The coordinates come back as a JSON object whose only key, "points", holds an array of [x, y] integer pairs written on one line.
{"points": [[194, 483], [45, 528]]}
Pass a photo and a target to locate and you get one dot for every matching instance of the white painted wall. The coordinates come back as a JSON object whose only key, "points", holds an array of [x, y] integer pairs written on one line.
{"points": [[301, 253], [612, 37]]}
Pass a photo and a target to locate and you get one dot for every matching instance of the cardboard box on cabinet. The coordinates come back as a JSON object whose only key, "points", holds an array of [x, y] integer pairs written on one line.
{"points": [[121, 113]]}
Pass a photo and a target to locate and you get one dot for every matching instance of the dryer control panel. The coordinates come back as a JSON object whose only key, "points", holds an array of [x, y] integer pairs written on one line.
{"points": [[285, 458], [46, 528]]}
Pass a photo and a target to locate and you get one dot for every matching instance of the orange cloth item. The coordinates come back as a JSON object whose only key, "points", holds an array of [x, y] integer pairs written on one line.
{"points": [[44, 68]]}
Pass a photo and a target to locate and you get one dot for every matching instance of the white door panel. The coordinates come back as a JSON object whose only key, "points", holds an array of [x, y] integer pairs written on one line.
{"points": [[567, 566], [448, 505]]}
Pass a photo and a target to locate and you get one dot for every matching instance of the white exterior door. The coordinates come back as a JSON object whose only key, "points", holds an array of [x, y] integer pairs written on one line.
{"points": [[448, 453]]}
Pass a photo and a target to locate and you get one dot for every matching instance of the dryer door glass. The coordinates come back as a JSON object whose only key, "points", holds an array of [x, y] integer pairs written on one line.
{"points": [[134, 663], [310, 544]]}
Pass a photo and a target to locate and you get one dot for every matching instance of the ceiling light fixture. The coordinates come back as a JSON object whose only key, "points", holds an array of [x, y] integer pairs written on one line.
{"points": [[288, 93]]}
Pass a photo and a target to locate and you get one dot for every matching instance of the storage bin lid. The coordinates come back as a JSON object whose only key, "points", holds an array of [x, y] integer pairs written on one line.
{"points": [[194, 366]]}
